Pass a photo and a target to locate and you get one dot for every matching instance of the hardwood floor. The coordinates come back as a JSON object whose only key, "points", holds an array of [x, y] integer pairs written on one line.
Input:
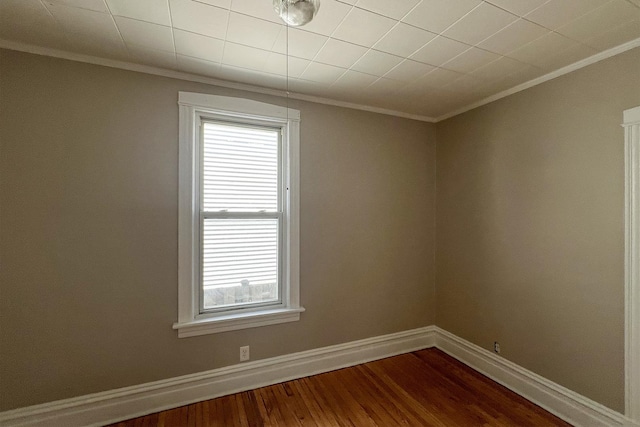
{"points": [[424, 388]]}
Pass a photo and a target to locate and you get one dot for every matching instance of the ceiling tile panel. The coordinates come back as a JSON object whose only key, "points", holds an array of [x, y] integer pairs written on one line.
{"points": [[600, 20], [197, 66], [439, 78], [354, 81], [385, 87], [538, 51], [376, 63], [253, 77], [307, 87], [470, 59], [329, 16], [84, 22], [198, 46], [251, 31], [224, 4], [574, 53], [322, 73], [556, 13], [405, 100], [616, 36], [523, 75], [258, 9], [89, 32], [155, 11], [479, 24], [145, 34], [238, 55], [437, 15], [95, 5], [393, 9], [498, 69], [286, 66], [339, 53], [408, 70], [466, 85], [513, 36], [28, 21], [299, 43], [98, 46], [147, 56], [199, 18], [363, 27], [518, 7], [403, 40], [439, 50]]}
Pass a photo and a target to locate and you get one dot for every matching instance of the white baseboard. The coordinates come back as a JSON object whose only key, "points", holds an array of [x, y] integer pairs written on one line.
{"points": [[560, 401], [130, 402]]}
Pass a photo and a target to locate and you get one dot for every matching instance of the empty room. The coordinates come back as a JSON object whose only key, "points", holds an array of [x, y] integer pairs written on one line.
{"points": [[320, 213]]}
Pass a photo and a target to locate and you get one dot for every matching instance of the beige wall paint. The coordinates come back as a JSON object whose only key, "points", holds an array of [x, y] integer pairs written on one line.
{"points": [[530, 226], [88, 231]]}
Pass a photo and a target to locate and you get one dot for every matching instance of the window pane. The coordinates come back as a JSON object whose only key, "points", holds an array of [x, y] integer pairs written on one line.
{"points": [[240, 261], [240, 168]]}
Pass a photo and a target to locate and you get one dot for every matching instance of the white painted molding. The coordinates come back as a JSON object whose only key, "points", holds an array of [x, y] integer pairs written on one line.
{"points": [[148, 69], [560, 401], [550, 76], [234, 106], [39, 50], [193, 108], [129, 402], [631, 124]]}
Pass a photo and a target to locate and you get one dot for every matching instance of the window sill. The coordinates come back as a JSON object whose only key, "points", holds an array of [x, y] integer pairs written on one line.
{"points": [[232, 322]]}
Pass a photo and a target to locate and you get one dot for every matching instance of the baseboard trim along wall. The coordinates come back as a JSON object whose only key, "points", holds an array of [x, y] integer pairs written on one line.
{"points": [[560, 401], [130, 402]]}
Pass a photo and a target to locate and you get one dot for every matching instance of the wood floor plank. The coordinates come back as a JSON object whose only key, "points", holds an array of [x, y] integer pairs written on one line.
{"points": [[269, 408], [350, 406], [251, 409], [294, 403], [405, 402], [315, 405], [423, 388]]}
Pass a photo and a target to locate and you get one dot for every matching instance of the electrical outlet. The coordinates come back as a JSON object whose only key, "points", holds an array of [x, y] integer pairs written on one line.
{"points": [[244, 353], [496, 346]]}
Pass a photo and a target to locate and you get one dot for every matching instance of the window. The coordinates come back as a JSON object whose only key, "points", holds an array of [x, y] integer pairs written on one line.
{"points": [[238, 214]]}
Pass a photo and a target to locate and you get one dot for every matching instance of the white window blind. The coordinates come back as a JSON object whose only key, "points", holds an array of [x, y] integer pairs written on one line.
{"points": [[240, 168], [241, 215]]}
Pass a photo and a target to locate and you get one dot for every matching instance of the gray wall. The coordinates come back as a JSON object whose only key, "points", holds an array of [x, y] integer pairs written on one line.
{"points": [[530, 245], [88, 231]]}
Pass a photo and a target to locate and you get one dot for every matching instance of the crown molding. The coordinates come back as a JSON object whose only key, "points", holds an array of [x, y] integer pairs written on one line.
{"points": [[550, 76], [157, 71], [130, 66]]}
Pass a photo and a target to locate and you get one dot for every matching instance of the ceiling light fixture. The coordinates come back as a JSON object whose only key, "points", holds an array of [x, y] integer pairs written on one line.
{"points": [[296, 12]]}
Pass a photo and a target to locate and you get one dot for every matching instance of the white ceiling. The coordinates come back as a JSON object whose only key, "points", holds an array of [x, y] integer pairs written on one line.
{"points": [[421, 57]]}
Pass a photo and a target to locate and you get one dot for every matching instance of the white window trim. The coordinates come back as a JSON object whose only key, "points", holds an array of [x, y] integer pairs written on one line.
{"points": [[190, 321]]}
